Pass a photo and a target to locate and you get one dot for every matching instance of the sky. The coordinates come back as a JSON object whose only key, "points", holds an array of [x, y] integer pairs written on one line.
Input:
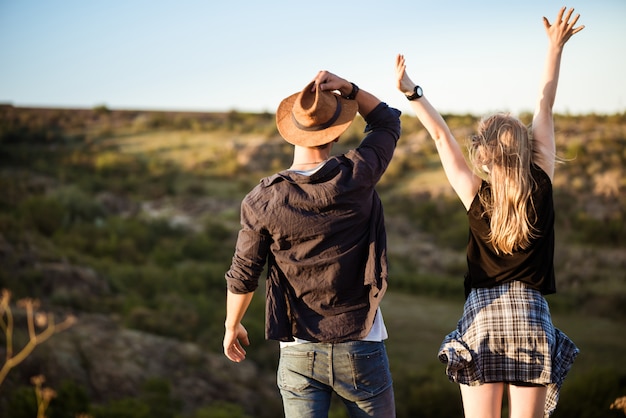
{"points": [[205, 55]]}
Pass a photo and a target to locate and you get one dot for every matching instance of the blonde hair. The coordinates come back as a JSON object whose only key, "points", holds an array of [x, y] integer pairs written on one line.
{"points": [[502, 147]]}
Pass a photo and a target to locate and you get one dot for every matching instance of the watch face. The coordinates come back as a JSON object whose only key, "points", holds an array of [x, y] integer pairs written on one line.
{"points": [[419, 91]]}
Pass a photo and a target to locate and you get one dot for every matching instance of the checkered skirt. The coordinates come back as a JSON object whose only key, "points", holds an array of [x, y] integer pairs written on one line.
{"points": [[506, 335]]}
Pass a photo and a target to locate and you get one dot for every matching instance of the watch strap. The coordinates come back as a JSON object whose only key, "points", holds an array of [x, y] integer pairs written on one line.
{"points": [[417, 93], [353, 93]]}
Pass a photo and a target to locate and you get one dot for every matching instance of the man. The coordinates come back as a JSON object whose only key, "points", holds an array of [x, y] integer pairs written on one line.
{"points": [[319, 226]]}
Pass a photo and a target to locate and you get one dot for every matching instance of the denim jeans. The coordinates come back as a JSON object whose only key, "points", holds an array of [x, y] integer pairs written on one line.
{"points": [[357, 371]]}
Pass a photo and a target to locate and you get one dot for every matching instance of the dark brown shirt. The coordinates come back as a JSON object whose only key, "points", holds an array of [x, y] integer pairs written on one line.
{"points": [[323, 239]]}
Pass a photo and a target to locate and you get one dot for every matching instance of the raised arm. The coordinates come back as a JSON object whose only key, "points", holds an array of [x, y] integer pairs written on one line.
{"points": [[461, 177], [558, 33]]}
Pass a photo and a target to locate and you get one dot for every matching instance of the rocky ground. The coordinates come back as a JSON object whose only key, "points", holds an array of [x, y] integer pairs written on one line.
{"points": [[112, 362]]}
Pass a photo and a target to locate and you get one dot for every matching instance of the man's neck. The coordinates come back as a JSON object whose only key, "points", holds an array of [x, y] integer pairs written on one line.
{"points": [[308, 158]]}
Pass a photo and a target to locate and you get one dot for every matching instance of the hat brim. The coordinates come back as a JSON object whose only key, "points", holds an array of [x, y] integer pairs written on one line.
{"points": [[296, 136]]}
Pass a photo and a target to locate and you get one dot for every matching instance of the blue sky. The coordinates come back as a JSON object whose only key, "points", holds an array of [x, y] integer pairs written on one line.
{"points": [[204, 55]]}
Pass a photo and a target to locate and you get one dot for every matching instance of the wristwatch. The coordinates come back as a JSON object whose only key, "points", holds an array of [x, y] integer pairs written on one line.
{"points": [[417, 93], [353, 93]]}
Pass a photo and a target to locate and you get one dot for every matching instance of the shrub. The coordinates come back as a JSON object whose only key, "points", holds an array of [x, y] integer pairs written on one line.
{"points": [[123, 408], [78, 205], [427, 394], [221, 410], [70, 401], [442, 217], [154, 401], [22, 403], [590, 395], [44, 214]]}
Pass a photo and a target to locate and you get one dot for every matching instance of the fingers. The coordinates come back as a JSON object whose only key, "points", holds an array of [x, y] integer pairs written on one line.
{"points": [[400, 65], [327, 81], [559, 16], [244, 339], [568, 15], [560, 20], [319, 78], [403, 81], [563, 27], [232, 344], [566, 21], [235, 352], [400, 71], [573, 23]]}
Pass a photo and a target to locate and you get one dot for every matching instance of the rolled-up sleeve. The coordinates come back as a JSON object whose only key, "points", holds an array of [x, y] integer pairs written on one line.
{"points": [[250, 254], [384, 118]]}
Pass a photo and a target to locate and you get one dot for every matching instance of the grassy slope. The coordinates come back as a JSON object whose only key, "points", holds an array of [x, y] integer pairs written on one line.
{"points": [[416, 324]]}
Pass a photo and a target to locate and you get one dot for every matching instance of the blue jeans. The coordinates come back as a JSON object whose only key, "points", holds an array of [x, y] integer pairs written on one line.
{"points": [[357, 371]]}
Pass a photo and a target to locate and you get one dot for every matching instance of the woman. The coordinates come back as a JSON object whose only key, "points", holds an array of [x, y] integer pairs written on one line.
{"points": [[505, 339]]}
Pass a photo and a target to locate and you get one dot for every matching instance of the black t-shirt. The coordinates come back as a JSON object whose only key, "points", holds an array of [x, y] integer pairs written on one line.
{"points": [[533, 265]]}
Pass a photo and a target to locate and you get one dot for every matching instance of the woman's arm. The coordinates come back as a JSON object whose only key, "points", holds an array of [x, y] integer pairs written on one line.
{"points": [[461, 177], [543, 125]]}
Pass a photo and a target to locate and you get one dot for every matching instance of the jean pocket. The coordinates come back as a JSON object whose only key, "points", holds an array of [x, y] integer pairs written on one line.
{"points": [[295, 369], [370, 371]]}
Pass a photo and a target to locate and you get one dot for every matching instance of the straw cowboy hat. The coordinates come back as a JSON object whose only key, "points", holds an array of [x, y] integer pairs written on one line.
{"points": [[312, 118]]}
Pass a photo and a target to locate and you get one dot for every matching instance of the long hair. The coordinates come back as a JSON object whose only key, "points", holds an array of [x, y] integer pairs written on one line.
{"points": [[502, 148]]}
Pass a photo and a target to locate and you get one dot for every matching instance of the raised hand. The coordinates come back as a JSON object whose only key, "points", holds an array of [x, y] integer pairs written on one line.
{"points": [[328, 81], [562, 29], [404, 82]]}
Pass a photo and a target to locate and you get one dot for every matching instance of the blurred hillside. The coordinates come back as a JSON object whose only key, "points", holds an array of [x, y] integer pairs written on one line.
{"points": [[128, 219]]}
